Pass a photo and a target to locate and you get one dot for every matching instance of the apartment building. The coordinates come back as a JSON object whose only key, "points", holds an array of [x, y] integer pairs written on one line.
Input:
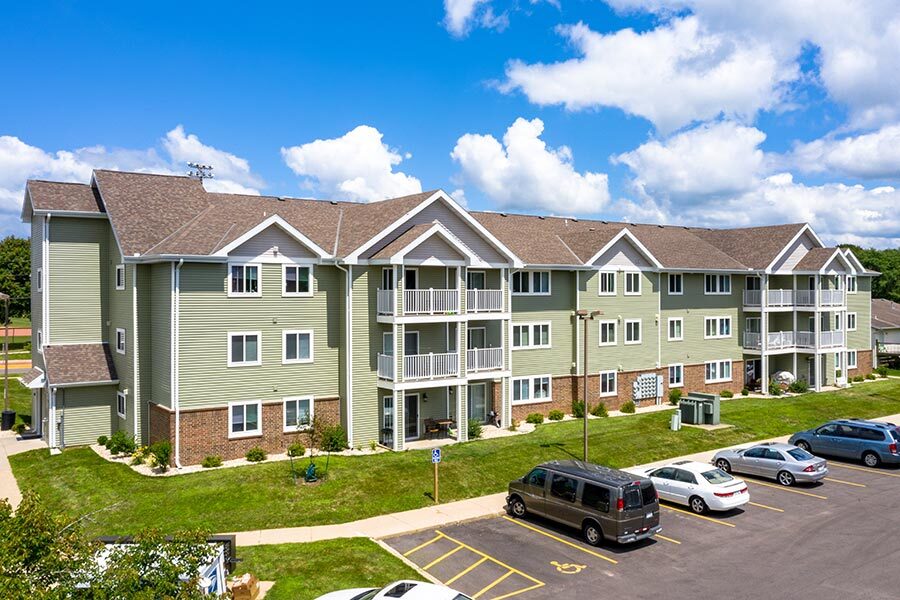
{"points": [[222, 322]]}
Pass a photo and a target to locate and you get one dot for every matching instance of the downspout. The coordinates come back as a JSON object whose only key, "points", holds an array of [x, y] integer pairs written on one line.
{"points": [[659, 323], [45, 274], [134, 348], [176, 402], [348, 362]]}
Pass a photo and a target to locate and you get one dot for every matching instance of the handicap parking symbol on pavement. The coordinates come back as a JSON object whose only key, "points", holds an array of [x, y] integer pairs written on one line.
{"points": [[568, 568]]}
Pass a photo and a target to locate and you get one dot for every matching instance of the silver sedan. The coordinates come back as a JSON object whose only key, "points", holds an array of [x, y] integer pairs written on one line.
{"points": [[784, 463]]}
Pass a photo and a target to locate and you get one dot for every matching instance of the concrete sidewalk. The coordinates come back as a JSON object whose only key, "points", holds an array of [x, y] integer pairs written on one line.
{"points": [[433, 517], [10, 444]]}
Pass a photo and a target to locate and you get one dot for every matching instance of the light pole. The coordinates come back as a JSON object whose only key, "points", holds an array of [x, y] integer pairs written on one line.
{"points": [[585, 316], [6, 411]]}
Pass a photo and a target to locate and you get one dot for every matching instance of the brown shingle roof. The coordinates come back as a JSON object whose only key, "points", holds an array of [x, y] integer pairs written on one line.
{"points": [[402, 240], [815, 259], [885, 314], [59, 196], [32, 374], [754, 247], [69, 364]]}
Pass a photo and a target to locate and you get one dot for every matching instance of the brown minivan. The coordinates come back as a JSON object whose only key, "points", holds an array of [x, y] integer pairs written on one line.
{"points": [[604, 503]]}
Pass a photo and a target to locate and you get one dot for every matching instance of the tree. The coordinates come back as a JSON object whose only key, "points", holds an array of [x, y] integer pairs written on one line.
{"points": [[887, 262], [15, 274]]}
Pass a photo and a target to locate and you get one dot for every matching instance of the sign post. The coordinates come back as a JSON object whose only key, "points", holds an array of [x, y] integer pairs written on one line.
{"points": [[435, 460]]}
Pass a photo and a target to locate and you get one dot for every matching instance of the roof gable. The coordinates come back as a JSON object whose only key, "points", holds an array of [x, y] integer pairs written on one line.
{"points": [[273, 236], [427, 244], [624, 250]]}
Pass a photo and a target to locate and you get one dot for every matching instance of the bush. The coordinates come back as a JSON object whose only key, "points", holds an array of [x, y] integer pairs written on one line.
{"points": [[628, 407], [882, 371], [333, 439], [858, 378], [870, 376], [256, 454], [514, 426], [726, 394], [599, 410], [19, 428], [296, 449], [774, 388], [474, 429], [211, 462], [535, 418], [161, 452], [556, 415], [745, 391], [120, 443], [799, 386], [101, 441], [674, 397], [578, 409], [140, 454]]}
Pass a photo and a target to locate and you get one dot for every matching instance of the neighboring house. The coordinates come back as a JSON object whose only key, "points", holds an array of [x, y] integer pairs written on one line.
{"points": [[886, 327], [221, 321]]}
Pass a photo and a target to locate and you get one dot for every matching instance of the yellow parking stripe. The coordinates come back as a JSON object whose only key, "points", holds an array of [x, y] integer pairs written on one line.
{"points": [[766, 507], [420, 546], [491, 586], [787, 489], [517, 592], [494, 560], [668, 539], [561, 541], [863, 469], [704, 517], [442, 557], [466, 570], [845, 482]]}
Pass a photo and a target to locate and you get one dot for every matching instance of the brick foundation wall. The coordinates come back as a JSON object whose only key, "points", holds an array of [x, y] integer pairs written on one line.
{"points": [[864, 366], [162, 424], [695, 375]]}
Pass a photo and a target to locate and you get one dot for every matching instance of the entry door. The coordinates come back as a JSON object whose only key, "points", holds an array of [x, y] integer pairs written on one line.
{"points": [[410, 343], [476, 338], [411, 279], [478, 402], [811, 361], [752, 371], [411, 416]]}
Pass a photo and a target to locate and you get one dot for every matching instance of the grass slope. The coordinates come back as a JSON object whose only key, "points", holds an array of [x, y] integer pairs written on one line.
{"points": [[263, 496]]}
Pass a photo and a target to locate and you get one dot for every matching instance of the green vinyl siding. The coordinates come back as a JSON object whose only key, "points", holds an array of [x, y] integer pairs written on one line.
{"points": [[157, 334], [557, 308], [367, 343], [87, 413], [144, 274], [861, 304], [207, 314], [37, 298], [119, 314]]}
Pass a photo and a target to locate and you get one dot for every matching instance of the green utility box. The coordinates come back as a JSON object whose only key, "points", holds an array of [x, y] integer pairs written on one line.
{"points": [[700, 409]]}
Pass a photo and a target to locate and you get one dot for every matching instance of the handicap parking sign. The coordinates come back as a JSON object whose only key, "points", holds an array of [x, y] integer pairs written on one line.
{"points": [[436, 455]]}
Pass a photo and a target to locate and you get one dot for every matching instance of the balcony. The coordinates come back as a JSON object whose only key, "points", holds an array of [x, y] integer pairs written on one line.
{"points": [[781, 340], [782, 298], [419, 302], [421, 366], [484, 359], [481, 301]]}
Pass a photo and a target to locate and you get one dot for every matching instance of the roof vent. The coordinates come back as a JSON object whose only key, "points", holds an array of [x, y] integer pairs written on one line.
{"points": [[333, 202], [592, 229], [280, 198], [605, 222], [541, 217], [502, 214], [660, 226]]}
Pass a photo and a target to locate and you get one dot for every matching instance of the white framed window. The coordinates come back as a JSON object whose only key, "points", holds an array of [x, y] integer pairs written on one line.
{"points": [[121, 405], [243, 280], [717, 328], [244, 348], [40, 341], [632, 283], [752, 324], [475, 280], [387, 413], [244, 419], [851, 359], [753, 283], [676, 375], [851, 284], [296, 280], [676, 284], [120, 277], [607, 283], [851, 321], [716, 284], [838, 363], [297, 347], [608, 333], [718, 371], [837, 321], [608, 381], [530, 390], [387, 278], [531, 335], [531, 283], [39, 284], [676, 329], [632, 331], [298, 413], [120, 340]]}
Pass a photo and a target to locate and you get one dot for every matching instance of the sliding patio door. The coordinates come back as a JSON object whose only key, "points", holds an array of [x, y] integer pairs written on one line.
{"points": [[478, 402]]}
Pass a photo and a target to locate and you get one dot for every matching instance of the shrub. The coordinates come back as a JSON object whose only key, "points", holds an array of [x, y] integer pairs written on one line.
{"points": [[774, 388], [535, 418], [628, 407], [870, 376], [745, 391], [514, 426], [333, 439], [838, 373], [373, 445], [555, 415], [858, 378], [139, 455], [296, 449], [726, 394], [19, 428], [882, 371], [120, 443], [474, 429], [799, 386], [599, 410], [211, 462], [101, 441], [256, 454], [161, 452], [674, 397], [578, 409]]}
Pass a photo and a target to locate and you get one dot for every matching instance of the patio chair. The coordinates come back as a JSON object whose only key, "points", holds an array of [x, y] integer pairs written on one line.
{"points": [[432, 429]]}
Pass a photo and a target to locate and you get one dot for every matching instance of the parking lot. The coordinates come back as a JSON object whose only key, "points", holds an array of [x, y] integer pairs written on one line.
{"points": [[837, 539]]}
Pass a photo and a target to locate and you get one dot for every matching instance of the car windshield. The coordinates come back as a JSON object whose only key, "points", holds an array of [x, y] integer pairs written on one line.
{"points": [[800, 454], [717, 476]]}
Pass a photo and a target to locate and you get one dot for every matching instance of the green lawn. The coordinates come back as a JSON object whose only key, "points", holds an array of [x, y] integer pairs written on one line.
{"points": [[304, 571], [19, 399], [19, 322], [263, 496]]}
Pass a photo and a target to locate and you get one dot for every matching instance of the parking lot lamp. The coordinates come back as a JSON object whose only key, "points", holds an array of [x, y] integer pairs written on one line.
{"points": [[585, 316]]}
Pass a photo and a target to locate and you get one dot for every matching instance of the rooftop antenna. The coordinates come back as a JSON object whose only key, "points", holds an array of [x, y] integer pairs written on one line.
{"points": [[199, 171]]}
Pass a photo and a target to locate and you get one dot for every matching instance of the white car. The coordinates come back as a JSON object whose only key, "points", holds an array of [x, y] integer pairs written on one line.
{"points": [[698, 486], [406, 590]]}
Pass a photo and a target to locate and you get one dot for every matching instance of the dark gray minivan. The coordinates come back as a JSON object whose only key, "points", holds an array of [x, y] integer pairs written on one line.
{"points": [[604, 503]]}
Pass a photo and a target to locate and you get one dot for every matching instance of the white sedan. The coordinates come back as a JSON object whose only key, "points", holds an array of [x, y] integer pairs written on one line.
{"points": [[406, 590], [698, 486]]}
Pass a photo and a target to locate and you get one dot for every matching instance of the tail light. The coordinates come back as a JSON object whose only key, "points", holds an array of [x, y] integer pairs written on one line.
{"points": [[620, 504], [809, 469], [724, 494], [893, 448]]}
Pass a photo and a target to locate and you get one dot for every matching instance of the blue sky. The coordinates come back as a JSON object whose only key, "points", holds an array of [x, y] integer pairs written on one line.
{"points": [[696, 115]]}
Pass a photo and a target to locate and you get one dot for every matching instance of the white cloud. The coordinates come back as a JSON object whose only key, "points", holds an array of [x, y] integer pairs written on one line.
{"points": [[871, 155], [461, 15], [673, 75], [524, 173], [460, 196], [356, 166], [230, 172]]}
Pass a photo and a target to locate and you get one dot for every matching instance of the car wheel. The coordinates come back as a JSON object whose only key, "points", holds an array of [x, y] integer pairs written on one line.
{"points": [[592, 533], [804, 445], [785, 478], [724, 465], [871, 459], [517, 507], [697, 505]]}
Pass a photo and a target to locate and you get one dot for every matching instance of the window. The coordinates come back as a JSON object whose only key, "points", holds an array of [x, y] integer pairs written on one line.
{"points": [[296, 281], [851, 359], [244, 419], [676, 376], [676, 284], [676, 329], [531, 335], [537, 478], [685, 476], [244, 280], [754, 283], [595, 496], [298, 413], [607, 283], [297, 347], [120, 277], [387, 278], [40, 341], [717, 284], [838, 363], [474, 280], [717, 327], [120, 404], [718, 370], [632, 283], [535, 283], [387, 413], [563, 487], [632, 331], [411, 279], [120, 340], [40, 280], [851, 321], [851, 284], [531, 389], [243, 349], [753, 324], [607, 383], [608, 333]]}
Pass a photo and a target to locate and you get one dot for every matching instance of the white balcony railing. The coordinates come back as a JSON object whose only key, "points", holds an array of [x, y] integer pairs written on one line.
{"points": [[832, 298], [831, 339], [888, 348], [780, 298], [484, 359], [385, 366], [484, 300], [805, 298], [787, 297], [752, 298], [752, 340], [780, 340], [385, 302], [430, 302], [431, 366]]}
